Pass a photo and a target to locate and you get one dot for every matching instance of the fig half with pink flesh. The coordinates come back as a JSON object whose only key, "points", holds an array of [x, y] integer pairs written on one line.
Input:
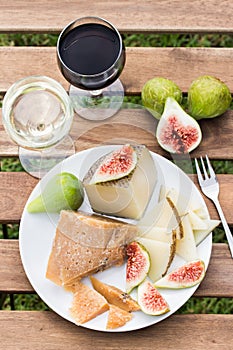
{"points": [[117, 164], [177, 132], [185, 276], [150, 300], [138, 265]]}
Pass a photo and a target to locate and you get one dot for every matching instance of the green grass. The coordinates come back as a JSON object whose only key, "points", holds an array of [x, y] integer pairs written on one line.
{"points": [[145, 40], [194, 305]]}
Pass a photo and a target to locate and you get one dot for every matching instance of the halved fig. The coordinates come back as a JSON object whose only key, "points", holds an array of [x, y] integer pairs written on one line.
{"points": [[116, 165], [138, 265], [177, 132], [185, 276], [150, 300]]}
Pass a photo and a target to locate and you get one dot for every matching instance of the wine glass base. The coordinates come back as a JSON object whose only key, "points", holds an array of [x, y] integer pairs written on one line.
{"points": [[38, 162], [99, 104]]}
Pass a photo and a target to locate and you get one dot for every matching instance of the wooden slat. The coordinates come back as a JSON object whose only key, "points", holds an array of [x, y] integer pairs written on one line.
{"points": [[179, 64], [46, 330], [15, 189], [139, 126], [128, 16], [19, 185], [216, 283], [13, 278]]}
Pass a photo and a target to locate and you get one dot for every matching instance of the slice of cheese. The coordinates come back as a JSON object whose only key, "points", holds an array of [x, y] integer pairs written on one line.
{"points": [[196, 222], [126, 197], [159, 257], [200, 235], [186, 247], [117, 317], [87, 304], [157, 234]]}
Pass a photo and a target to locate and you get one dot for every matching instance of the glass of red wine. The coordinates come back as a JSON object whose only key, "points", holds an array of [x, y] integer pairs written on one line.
{"points": [[91, 56]]}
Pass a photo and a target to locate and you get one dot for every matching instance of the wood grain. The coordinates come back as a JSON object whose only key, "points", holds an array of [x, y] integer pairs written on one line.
{"points": [[46, 330], [138, 126], [215, 284], [15, 189], [129, 16], [182, 65], [13, 278], [19, 185]]}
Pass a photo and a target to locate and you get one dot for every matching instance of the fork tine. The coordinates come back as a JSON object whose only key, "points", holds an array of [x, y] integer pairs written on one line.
{"points": [[200, 178], [211, 170], [204, 169]]}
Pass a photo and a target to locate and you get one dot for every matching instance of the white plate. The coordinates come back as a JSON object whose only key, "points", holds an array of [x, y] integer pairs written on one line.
{"points": [[37, 232]]}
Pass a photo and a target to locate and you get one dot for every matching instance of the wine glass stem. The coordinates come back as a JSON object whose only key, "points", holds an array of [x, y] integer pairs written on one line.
{"points": [[96, 93]]}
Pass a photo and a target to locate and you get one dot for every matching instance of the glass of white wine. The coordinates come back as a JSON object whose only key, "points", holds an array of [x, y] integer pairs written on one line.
{"points": [[37, 115]]}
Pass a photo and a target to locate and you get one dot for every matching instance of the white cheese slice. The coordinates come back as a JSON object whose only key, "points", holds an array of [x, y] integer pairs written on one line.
{"points": [[196, 222], [159, 256], [200, 235], [186, 247], [157, 234]]}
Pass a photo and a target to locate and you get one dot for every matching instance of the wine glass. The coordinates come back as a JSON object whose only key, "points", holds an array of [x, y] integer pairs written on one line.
{"points": [[91, 56], [37, 115]]}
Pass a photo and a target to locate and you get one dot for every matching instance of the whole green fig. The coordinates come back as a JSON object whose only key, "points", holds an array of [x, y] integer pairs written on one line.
{"points": [[156, 91], [208, 97], [63, 191]]}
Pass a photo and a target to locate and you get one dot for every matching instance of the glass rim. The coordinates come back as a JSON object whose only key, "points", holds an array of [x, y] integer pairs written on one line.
{"points": [[70, 25], [55, 85]]}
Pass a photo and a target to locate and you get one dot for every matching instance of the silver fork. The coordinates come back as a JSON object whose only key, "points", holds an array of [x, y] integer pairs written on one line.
{"points": [[210, 187]]}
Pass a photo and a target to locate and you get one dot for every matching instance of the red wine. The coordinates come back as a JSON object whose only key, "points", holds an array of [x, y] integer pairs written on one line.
{"points": [[88, 50]]}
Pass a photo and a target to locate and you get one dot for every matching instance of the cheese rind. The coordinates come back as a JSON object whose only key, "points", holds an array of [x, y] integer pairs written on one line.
{"points": [[127, 197]]}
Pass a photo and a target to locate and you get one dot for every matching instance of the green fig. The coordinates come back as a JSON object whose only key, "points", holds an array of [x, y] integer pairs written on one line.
{"points": [[63, 191], [208, 97], [155, 92]]}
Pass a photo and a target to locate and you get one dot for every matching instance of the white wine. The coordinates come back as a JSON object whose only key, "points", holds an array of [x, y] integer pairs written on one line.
{"points": [[37, 115]]}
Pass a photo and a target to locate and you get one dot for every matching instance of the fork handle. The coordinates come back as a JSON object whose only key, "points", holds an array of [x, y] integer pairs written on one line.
{"points": [[225, 226]]}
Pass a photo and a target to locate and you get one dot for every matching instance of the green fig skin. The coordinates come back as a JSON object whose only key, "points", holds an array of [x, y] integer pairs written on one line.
{"points": [[155, 92], [63, 191], [208, 97]]}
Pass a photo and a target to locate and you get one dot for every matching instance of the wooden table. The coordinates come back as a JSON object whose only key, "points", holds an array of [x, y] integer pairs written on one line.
{"points": [[44, 329]]}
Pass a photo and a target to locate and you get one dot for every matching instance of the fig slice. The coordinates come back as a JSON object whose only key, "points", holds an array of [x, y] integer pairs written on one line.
{"points": [[185, 276], [115, 165], [150, 300], [138, 265], [177, 132]]}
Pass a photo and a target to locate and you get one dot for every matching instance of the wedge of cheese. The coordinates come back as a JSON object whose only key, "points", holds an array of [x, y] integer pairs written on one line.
{"points": [[87, 304], [117, 317], [125, 197], [85, 244]]}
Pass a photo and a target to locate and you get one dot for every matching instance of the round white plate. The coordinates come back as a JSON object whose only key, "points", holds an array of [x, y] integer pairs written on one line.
{"points": [[37, 232]]}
